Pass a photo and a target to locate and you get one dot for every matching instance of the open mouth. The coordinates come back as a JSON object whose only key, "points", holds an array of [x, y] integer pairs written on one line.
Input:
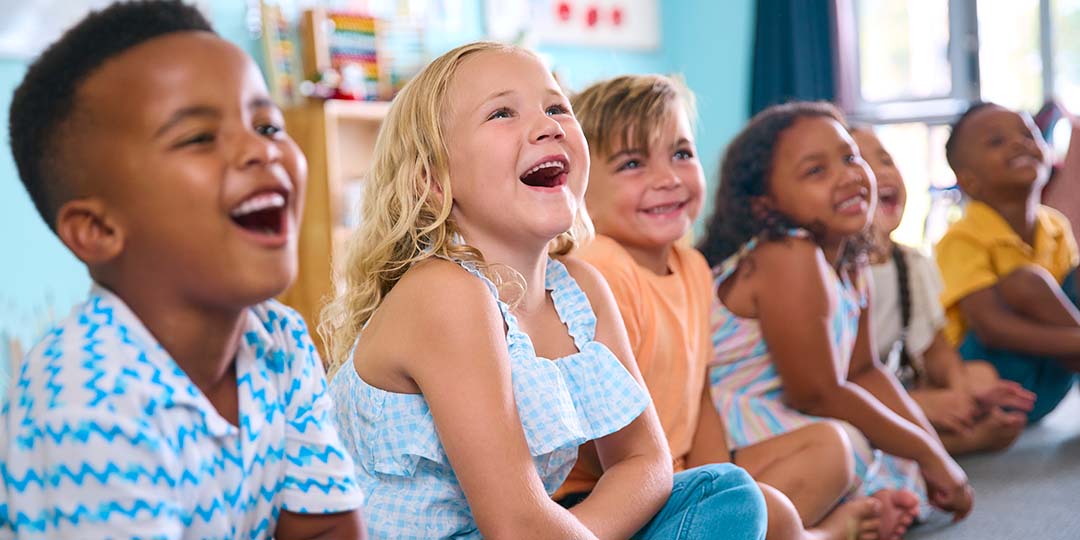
{"points": [[262, 213], [548, 173], [888, 197], [1025, 160]]}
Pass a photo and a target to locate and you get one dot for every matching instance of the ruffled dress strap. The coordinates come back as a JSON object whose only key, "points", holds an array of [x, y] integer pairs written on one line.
{"points": [[728, 267]]}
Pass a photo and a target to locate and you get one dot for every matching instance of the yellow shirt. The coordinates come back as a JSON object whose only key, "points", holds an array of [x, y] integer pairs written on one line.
{"points": [[981, 247], [667, 320]]}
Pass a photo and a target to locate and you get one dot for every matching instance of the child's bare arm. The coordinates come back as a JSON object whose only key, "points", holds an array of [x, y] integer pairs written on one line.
{"points": [[710, 440], [458, 358], [867, 371], [339, 526], [794, 308], [944, 367], [1000, 326], [637, 462]]}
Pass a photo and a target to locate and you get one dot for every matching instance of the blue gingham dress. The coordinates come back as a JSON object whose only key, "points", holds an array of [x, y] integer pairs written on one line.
{"points": [[411, 490]]}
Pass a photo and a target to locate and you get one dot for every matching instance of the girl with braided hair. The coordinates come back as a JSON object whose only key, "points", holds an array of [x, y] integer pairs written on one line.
{"points": [[971, 408]]}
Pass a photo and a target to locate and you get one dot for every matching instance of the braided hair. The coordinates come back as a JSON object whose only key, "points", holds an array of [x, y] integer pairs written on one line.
{"points": [[903, 282]]}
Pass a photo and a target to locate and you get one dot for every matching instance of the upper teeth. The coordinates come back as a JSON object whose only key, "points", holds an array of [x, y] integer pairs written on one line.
{"points": [[544, 165], [259, 202], [850, 202], [663, 209]]}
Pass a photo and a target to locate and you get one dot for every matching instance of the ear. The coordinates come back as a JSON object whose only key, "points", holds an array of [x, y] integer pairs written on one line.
{"points": [[966, 180], [88, 229], [761, 206]]}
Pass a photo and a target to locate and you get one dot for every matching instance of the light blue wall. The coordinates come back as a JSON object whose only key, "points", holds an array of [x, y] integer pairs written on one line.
{"points": [[708, 42]]}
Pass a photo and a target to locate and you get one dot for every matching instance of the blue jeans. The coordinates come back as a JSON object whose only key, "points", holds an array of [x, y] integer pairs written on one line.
{"points": [[1044, 376], [718, 501]]}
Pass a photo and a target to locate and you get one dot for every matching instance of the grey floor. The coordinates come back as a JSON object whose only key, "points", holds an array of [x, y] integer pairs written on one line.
{"points": [[1031, 491]]}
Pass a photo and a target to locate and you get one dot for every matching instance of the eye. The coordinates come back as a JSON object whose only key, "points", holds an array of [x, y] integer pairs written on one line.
{"points": [[887, 159], [997, 140], [629, 164], [269, 130], [557, 109], [815, 170], [851, 158], [501, 112], [684, 154], [198, 139]]}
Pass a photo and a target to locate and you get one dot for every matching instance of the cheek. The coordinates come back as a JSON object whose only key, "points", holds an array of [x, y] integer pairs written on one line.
{"points": [[696, 182], [295, 164]]}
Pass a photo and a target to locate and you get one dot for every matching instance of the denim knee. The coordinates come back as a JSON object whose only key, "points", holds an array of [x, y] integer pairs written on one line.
{"points": [[729, 491]]}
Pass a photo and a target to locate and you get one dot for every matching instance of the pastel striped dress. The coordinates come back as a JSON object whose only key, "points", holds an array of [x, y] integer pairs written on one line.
{"points": [[748, 392]]}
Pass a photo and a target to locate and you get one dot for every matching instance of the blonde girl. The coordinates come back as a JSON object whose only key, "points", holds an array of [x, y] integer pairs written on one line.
{"points": [[474, 355]]}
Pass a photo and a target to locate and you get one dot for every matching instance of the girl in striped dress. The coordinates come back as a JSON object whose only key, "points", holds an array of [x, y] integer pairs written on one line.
{"points": [[790, 333]]}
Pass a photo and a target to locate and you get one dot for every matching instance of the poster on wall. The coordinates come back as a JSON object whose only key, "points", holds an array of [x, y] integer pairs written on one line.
{"points": [[28, 27], [620, 24]]}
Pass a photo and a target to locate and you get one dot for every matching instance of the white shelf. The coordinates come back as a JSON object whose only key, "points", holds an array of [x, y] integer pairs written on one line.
{"points": [[357, 110]]}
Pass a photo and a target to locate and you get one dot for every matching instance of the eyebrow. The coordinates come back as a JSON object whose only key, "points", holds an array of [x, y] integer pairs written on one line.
{"points": [[811, 157], [206, 111], [626, 152], [504, 93], [496, 95], [682, 141], [195, 111]]}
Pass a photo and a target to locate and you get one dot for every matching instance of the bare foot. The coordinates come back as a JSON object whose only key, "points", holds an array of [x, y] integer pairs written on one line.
{"points": [[857, 519], [998, 430], [898, 510]]}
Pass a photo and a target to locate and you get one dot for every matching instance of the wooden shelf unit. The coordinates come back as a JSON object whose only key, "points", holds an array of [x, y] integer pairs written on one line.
{"points": [[338, 138]]}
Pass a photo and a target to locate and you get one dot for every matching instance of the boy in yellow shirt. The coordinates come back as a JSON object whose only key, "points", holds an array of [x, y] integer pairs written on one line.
{"points": [[1009, 264], [645, 190]]}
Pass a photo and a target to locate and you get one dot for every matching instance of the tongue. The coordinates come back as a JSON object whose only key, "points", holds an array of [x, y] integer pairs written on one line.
{"points": [[546, 177], [267, 221]]}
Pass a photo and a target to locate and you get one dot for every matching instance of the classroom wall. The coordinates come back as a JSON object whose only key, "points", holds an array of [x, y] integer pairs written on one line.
{"points": [[708, 42]]}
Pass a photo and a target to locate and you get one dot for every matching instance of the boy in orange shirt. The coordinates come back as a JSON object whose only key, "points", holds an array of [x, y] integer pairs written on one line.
{"points": [[645, 190]]}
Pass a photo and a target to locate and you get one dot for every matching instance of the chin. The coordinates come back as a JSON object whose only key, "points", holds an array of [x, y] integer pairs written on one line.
{"points": [[270, 282]]}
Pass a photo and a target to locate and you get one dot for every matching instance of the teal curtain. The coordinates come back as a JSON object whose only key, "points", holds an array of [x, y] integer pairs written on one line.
{"points": [[794, 52]]}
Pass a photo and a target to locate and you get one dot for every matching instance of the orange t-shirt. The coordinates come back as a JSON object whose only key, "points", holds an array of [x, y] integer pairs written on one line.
{"points": [[667, 319]]}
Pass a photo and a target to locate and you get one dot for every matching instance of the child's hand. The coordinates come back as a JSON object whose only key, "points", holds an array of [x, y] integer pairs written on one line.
{"points": [[949, 410], [1007, 395], [947, 486]]}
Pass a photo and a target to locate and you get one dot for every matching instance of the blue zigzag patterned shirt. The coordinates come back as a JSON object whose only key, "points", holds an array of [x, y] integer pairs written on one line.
{"points": [[102, 435]]}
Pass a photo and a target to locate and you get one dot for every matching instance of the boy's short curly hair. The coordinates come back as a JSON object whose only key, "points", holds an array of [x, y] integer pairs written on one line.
{"points": [[955, 140], [47, 97], [624, 112], [744, 176]]}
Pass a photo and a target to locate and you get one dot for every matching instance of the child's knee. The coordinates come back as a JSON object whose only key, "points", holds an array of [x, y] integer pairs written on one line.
{"points": [[783, 517], [831, 446], [723, 490], [980, 374], [1021, 284]]}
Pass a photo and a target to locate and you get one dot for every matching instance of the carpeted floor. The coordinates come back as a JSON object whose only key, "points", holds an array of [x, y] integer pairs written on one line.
{"points": [[1029, 492]]}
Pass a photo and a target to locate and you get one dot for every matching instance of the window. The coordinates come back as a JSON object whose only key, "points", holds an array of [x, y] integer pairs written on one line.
{"points": [[911, 67]]}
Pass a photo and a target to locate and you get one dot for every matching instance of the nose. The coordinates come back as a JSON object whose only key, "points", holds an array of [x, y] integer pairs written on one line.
{"points": [[547, 128], [254, 148], [667, 178], [1025, 142], [857, 172]]}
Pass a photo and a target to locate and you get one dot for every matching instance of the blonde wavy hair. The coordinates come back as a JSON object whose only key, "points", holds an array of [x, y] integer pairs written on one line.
{"points": [[406, 207]]}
